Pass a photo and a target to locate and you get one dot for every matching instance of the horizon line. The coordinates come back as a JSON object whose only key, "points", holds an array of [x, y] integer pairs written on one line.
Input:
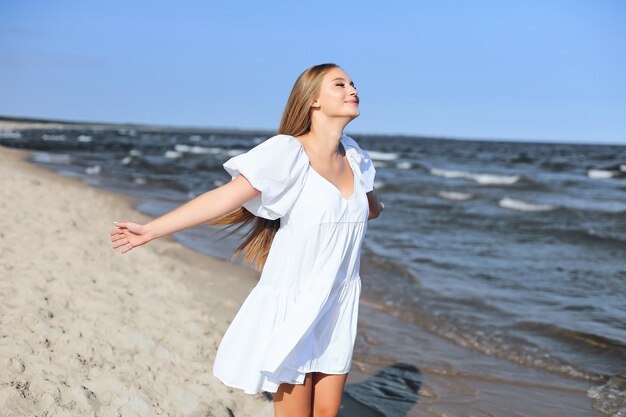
{"points": [[265, 130]]}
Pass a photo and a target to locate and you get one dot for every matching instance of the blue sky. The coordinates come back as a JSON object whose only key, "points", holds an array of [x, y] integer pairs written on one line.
{"points": [[502, 70]]}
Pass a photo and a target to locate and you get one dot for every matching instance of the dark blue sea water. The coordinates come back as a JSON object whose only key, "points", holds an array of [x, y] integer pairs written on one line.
{"points": [[514, 250]]}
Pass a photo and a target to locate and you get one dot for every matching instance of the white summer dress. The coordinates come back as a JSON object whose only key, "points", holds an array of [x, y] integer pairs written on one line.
{"points": [[302, 315]]}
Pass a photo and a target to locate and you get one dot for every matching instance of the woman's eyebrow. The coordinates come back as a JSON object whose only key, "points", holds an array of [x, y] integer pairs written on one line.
{"points": [[341, 78]]}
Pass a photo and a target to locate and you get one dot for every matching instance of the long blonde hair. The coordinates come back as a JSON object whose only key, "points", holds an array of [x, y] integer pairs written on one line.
{"points": [[296, 121]]}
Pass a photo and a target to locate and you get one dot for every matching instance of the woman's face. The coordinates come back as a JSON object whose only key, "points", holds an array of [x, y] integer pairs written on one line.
{"points": [[338, 96]]}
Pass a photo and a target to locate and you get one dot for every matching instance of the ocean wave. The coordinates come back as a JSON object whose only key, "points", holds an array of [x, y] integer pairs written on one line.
{"points": [[492, 342], [172, 154], [585, 235], [93, 170], [513, 349], [10, 134], [453, 195], [197, 149], [558, 166], [523, 158], [617, 171], [479, 178], [582, 339], [610, 397], [383, 156], [51, 158], [605, 206], [53, 138], [601, 173], [520, 205], [614, 237], [126, 132], [404, 165]]}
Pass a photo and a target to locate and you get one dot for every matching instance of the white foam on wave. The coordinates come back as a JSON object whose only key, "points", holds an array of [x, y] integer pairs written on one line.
{"points": [[52, 158], [10, 134], [404, 165], [94, 170], [135, 152], [454, 195], [195, 138], [622, 167], [379, 184], [182, 148], [126, 132], [196, 149], [85, 138], [479, 178], [520, 205], [235, 152], [602, 173], [126, 160], [172, 154], [383, 156], [610, 397], [53, 138]]}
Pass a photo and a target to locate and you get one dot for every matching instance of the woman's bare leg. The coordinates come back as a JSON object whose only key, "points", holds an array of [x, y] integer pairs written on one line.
{"points": [[327, 393], [294, 400]]}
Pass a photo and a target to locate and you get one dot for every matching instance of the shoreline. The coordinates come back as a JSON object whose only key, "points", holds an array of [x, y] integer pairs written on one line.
{"points": [[210, 292]]}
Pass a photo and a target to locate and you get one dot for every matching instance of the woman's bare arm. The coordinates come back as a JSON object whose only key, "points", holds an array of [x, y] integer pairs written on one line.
{"points": [[376, 206], [208, 206], [205, 207]]}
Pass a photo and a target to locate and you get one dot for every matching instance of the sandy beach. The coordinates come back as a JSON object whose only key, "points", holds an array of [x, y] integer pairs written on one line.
{"points": [[89, 331]]}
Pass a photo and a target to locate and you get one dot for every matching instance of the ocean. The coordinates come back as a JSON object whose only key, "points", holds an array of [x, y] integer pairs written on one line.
{"points": [[510, 250]]}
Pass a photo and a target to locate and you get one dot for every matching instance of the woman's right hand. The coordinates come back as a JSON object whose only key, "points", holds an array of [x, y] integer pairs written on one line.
{"points": [[131, 234]]}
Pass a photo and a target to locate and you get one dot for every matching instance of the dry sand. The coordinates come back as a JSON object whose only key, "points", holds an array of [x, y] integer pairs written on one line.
{"points": [[9, 125], [86, 330]]}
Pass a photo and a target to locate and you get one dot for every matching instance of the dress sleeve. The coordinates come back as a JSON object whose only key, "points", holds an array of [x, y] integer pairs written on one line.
{"points": [[364, 161], [275, 167]]}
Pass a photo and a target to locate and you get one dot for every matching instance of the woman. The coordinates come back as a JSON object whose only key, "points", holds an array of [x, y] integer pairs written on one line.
{"points": [[307, 194]]}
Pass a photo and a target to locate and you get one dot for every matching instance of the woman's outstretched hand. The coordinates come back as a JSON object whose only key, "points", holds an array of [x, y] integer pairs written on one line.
{"points": [[129, 235]]}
